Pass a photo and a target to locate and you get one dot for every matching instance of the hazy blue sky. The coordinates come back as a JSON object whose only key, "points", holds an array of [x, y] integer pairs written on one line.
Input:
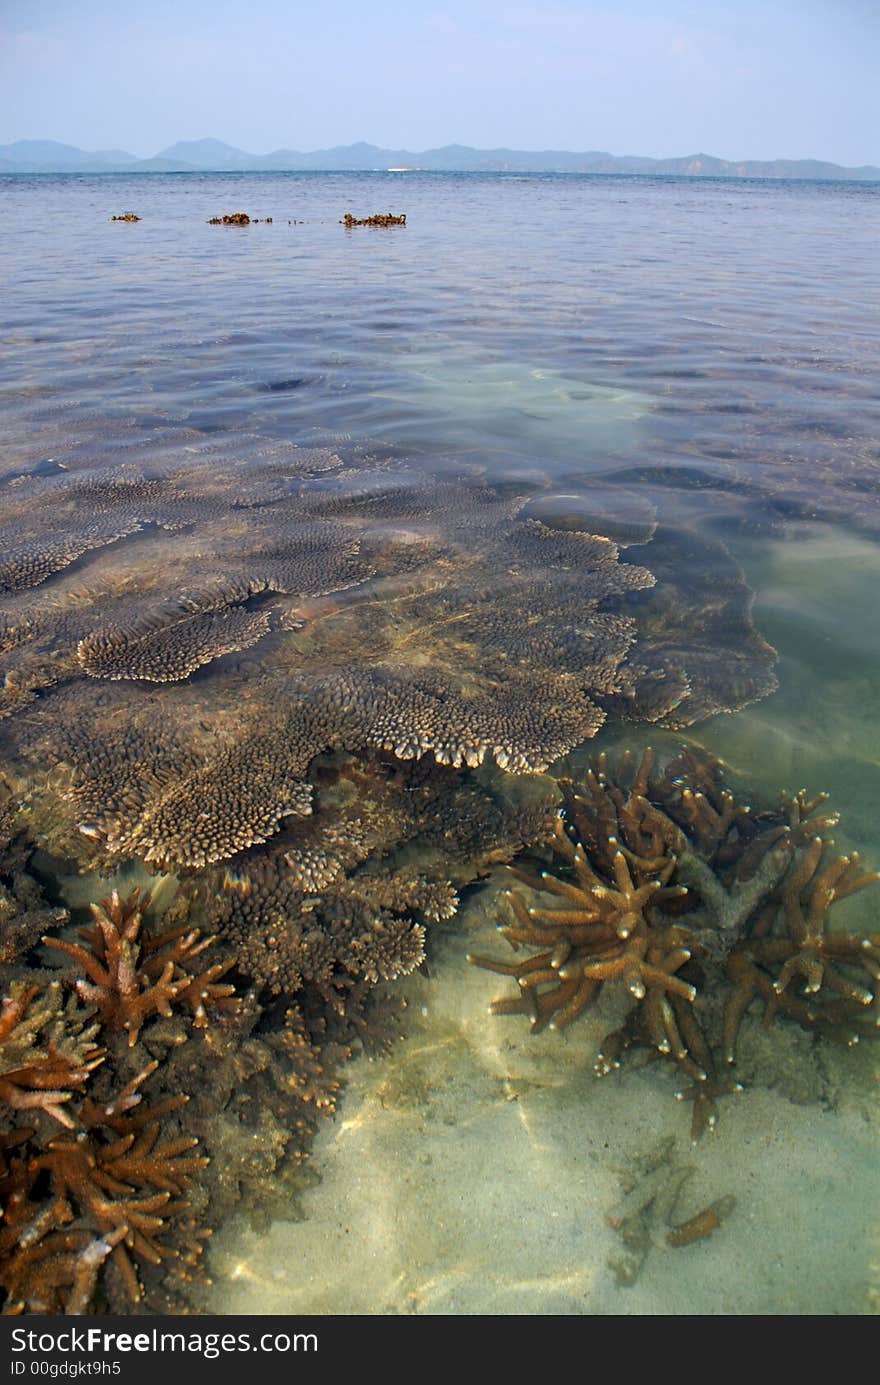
{"points": [[737, 78]]}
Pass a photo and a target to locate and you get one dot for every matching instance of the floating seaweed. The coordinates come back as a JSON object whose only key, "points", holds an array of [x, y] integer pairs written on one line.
{"points": [[126, 216], [699, 906], [230, 219], [239, 219], [378, 219]]}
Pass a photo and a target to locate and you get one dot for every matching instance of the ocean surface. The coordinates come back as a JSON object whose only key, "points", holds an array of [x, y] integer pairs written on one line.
{"points": [[703, 351]]}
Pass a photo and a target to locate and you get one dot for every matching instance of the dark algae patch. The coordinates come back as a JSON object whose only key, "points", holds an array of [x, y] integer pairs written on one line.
{"points": [[379, 219]]}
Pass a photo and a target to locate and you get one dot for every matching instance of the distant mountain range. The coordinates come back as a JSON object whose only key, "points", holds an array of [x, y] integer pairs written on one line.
{"points": [[213, 156]]}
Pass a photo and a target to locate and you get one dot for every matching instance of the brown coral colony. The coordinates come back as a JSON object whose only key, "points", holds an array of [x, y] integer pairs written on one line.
{"points": [[106, 1195], [658, 879]]}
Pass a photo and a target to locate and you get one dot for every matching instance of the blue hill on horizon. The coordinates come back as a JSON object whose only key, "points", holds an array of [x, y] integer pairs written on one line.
{"points": [[212, 155]]}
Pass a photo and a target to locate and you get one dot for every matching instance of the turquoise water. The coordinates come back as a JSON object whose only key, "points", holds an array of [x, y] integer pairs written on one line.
{"points": [[703, 352]]}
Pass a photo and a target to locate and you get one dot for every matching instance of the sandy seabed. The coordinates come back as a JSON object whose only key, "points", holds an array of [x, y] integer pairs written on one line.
{"points": [[474, 1169]]}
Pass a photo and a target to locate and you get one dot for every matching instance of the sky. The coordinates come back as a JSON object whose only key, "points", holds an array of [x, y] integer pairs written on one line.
{"points": [[735, 78]]}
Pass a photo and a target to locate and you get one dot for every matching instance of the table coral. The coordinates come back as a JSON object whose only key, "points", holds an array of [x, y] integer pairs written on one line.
{"points": [[259, 617]]}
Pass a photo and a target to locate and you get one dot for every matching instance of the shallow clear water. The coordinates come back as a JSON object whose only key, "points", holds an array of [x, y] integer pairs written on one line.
{"points": [[711, 348]]}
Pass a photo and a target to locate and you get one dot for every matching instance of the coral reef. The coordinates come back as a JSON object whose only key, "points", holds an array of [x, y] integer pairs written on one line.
{"points": [[47, 1050], [147, 1091], [700, 906], [379, 219], [167, 655], [332, 601], [113, 1205], [336, 903], [741, 484], [24, 913]]}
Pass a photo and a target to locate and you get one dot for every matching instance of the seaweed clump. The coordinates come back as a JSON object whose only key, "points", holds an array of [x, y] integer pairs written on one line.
{"points": [[126, 216], [230, 219], [378, 219], [658, 878]]}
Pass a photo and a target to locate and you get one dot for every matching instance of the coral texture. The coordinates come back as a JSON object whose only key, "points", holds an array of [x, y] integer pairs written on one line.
{"points": [[257, 617]]}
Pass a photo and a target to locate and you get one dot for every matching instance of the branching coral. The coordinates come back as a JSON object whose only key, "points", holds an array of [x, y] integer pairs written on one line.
{"points": [[99, 1207], [130, 979], [47, 1050], [342, 898], [357, 929], [661, 880], [115, 1190]]}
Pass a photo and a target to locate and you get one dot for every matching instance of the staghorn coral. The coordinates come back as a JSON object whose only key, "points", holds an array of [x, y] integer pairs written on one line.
{"points": [[114, 1205], [130, 978], [660, 880], [652, 1186], [108, 1172], [98, 1210], [47, 1050]]}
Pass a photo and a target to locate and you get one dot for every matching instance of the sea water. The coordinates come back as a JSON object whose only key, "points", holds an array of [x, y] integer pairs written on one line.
{"points": [[710, 348]]}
